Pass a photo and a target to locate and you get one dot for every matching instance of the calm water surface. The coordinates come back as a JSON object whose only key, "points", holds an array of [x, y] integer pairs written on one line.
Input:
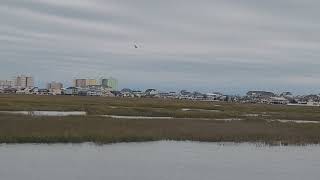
{"points": [[159, 161], [47, 113]]}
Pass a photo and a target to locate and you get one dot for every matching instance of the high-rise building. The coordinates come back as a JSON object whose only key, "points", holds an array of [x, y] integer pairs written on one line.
{"points": [[54, 85], [29, 82], [111, 82], [104, 82], [6, 83], [85, 82], [20, 81], [24, 82], [91, 82], [80, 83]]}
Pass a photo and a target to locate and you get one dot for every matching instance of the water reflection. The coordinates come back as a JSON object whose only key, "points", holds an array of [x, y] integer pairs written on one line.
{"points": [[47, 113], [159, 161]]}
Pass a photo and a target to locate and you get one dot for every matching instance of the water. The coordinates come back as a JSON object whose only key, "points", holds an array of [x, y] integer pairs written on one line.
{"points": [[159, 161], [295, 121], [166, 118], [203, 110], [47, 113], [135, 117], [82, 113]]}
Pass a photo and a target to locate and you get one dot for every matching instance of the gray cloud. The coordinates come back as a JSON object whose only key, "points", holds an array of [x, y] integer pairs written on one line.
{"points": [[223, 45]]}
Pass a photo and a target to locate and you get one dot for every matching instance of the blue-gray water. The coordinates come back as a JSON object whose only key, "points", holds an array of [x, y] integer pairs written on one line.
{"points": [[159, 161]]}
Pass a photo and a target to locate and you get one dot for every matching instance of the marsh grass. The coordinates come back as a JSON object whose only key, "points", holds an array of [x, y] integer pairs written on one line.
{"points": [[29, 129], [153, 107], [23, 129]]}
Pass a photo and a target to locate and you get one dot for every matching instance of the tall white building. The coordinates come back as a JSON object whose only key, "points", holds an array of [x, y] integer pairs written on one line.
{"points": [[30, 82], [24, 82], [6, 83]]}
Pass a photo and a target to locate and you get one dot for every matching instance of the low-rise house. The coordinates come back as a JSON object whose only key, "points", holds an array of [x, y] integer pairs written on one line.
{"points": [[212, 96], [223, 98], [56, 91], [312, 97], [173, 94], [93, 90], [197, 96], [138, 93], [94, 93], [24, 91], [71, 91], [20, 92], [234, 98], [34, 91], [312, 103], [163, 94], [9, 90], [127, 93], [185, 92], [185, 95], [116, 93], [260, 94], [82, 92], [278, 100], [302, 102], [98, 90], [170, 95], [151, 93], [43, 91], [286, 94]]}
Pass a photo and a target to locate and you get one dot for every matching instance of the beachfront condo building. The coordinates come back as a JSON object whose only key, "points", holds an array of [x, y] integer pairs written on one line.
{"points": [[110, 82], [84, 82], [23, 81]]}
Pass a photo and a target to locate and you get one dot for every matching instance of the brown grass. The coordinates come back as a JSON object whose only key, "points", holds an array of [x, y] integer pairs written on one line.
{"points": [[28, 129], [153, 107], [21, 129]]}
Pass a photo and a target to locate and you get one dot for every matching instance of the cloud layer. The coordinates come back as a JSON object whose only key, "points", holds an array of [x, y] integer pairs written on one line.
{"points": [[231, 46]]}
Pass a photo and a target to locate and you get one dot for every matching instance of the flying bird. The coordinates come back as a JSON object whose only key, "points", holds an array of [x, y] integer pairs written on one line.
{"points": [[135, 45]]}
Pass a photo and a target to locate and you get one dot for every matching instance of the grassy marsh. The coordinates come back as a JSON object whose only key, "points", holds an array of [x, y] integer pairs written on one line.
{"points": [[23, 129], [29, 129]]}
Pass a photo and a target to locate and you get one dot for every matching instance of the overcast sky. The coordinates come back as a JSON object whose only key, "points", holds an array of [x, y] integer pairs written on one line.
{"points": [[211, 45]]}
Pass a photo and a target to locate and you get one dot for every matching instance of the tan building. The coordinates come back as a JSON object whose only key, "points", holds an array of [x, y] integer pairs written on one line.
{"points": [[85, 82], [80, 83], [91, 82], [54, 85]]}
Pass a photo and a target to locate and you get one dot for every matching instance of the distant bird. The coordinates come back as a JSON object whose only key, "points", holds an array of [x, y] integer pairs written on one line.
{"points": [[135, 45]]}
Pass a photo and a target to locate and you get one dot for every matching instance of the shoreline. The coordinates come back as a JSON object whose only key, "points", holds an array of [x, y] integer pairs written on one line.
{"points": [[260, 143], [222, 143]]}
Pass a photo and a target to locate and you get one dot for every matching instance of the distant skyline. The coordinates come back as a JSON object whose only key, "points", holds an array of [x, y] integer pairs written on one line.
{"points": [[207, 45]]}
